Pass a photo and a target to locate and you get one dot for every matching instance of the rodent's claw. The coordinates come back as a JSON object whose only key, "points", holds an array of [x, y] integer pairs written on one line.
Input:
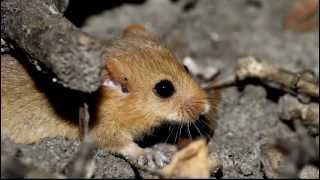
{"points": [[162, 159], [153, 159]]}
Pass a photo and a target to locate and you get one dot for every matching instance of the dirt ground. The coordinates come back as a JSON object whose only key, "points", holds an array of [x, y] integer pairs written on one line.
{"points": [[214, 33]]}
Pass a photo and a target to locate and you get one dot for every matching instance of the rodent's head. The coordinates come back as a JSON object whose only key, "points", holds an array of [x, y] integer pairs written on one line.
{"points": [[151, 81]]}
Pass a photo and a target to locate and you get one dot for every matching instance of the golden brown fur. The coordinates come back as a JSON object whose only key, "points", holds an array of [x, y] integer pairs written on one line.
{"points": [[26, 114], [137, 62]]}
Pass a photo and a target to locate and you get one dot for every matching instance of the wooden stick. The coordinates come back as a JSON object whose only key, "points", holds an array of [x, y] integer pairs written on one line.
{"points": [[52, 43]]}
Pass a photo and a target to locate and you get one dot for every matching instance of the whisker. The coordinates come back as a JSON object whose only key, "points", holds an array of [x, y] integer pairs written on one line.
{"points": [[189, 134], [197, 129], [206, 134], [217, 99], [219, 125], [205, 124], [180, 130], [175, 139], [188, 111], [171, 131]]}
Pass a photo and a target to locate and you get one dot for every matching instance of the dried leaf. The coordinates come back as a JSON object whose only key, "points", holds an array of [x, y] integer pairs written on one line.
{"points": [[190, 162]]}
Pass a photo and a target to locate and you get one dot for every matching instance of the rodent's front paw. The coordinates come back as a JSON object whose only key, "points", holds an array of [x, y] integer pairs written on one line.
{"points": [[156, 157], [153, 159], [132, 150]]}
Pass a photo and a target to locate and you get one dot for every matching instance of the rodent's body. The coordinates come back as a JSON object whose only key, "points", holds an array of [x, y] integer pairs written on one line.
{"points": [[128, 104], [26, 113]]}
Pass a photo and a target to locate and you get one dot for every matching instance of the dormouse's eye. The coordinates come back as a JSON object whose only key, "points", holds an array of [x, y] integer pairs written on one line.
{"points": [[164, 89]]}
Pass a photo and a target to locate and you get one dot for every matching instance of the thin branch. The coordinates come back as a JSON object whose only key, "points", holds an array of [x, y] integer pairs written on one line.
{"points": [[304, 83]]}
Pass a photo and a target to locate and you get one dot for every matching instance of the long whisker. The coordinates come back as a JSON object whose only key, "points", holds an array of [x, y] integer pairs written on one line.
{"points": [[219, 125], [175, 139], [197, 129], [206, 134], [189, 111], [224, 129], [189, 134], [215, 99], [180, 130], [171, 131], [206, 124]]}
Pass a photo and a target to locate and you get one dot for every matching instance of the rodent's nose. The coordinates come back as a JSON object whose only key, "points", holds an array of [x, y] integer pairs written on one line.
{"points": [[206, 109]]}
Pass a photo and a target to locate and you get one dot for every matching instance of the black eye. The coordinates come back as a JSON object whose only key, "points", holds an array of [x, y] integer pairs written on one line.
{"points": [[164, 89]]}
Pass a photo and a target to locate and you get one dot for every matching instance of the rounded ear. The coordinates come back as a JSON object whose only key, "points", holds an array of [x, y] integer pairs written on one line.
{"points": [[139, 31]]}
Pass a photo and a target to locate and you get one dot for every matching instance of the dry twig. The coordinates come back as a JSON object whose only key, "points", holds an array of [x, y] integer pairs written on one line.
{"points": [[83, 164], [249, 67], [292, 109]]}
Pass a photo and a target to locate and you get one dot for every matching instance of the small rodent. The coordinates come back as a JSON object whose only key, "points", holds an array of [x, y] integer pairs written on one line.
{"points": [[143, 86]]}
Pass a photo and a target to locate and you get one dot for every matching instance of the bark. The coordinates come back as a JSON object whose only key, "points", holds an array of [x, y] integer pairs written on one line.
{"points": [[52, 43]]}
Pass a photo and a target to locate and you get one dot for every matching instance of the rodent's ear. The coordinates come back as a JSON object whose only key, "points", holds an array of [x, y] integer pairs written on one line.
{"points": [[138, 30]]}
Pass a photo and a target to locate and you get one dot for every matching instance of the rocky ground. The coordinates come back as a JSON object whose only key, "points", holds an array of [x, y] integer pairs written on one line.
{"points": [[214, 33]]}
